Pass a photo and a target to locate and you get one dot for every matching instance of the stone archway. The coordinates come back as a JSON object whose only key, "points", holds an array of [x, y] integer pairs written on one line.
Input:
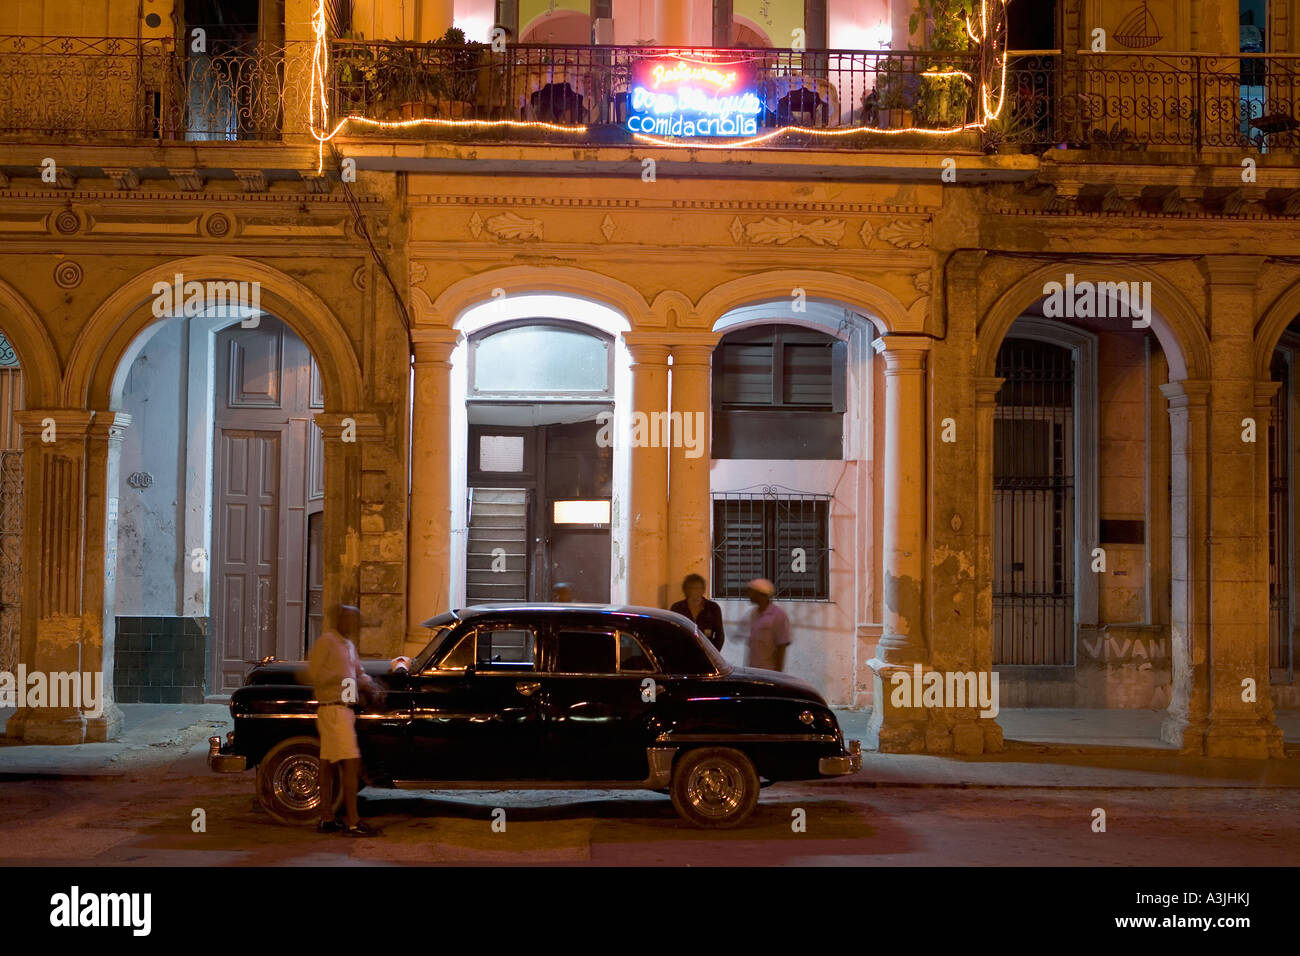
{"points": [[1185, 344], [80, 475]]}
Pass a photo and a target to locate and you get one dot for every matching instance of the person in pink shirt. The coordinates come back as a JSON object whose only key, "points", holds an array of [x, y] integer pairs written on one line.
{"points": [[769, 628]]}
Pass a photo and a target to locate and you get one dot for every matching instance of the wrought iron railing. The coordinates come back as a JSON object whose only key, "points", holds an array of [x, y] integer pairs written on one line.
{"points": [[87, 89], [95, 89], [593, 86]]}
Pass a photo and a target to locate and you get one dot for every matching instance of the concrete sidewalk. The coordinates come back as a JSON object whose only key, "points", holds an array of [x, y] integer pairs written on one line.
{"points": [[1088, 750]]}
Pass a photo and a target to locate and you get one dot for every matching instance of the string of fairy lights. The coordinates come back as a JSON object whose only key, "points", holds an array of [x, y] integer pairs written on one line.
{"points": [[323, 133]]}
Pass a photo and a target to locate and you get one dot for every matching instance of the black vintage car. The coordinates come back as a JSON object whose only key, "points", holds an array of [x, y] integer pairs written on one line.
{"points": [[549, 696]]}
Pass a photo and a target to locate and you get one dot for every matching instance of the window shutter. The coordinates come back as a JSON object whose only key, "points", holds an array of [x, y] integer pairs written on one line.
{"points": [[839, 375]]}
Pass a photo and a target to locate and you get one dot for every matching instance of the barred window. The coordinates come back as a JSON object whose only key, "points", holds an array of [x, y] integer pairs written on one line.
{"points": [[772, 534]]}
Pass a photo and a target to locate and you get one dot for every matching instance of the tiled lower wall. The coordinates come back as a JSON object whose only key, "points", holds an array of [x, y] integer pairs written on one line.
{"points": [[160, 660]]}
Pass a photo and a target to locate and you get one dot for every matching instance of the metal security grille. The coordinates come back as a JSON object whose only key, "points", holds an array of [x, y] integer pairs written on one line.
{"points": [[1033, 506], [772, 533], [1279, 530]]}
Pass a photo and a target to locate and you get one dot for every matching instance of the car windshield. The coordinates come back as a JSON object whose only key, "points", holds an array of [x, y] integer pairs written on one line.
{"points": [[715, 656], [422, 659]]}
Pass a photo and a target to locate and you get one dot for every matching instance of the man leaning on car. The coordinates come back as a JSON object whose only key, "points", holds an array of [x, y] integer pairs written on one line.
{"points": [[333, 661]]}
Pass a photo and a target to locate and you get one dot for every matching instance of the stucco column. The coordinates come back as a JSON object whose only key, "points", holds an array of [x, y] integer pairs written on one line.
{"points": [[67, 518], [902, 642], [353, 531], [648, 495], [689, 539], [1189, 504], [673, 22], [100, 592], [1238, 532], [429, 545]]}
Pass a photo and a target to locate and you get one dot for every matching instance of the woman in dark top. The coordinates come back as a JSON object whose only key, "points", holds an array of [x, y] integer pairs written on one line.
{"points": [[705, 613]]}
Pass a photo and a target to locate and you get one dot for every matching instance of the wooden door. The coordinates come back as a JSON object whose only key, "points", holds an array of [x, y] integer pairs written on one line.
{"points": [[266, 479]]}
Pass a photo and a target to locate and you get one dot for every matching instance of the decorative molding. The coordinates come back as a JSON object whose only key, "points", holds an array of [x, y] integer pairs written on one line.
{"points": [[68, 274], [66, 222], [507, 225], [476, 225], [139, 479], [418, 272], [217, 225], [607, 227], [921, 281], [614, 204], [360, 277], [866, 232], [123, 178], [253, 180], [905, 233], [187, 180], [316, 184], [769, 231]]}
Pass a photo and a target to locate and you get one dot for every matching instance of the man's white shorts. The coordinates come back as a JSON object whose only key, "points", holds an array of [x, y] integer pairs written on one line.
{"points": [[337, 726]]}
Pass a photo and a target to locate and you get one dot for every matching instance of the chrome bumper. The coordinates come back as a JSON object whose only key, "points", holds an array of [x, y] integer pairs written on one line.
{"points": [[224, 763], [850, 762]]}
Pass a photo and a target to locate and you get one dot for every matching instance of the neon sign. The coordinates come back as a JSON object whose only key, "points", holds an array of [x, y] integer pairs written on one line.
{"points": [[674, 97]]}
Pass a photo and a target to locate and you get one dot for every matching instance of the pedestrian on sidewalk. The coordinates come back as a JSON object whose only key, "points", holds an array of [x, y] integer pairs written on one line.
{"points": [[706, 614], [336, 674], [769, 628]]}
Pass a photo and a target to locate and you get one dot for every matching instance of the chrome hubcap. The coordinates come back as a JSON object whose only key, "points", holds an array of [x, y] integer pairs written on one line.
{"points": [[297, 782], [715, 788]]}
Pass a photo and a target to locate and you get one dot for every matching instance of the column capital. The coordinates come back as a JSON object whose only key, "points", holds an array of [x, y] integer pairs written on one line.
{"points": [[366, 426], [986, 390], [903, 353], [1232, 270], [73, 422], [1264, 392], [1186, 393], [433, 345], [648, 348], [695, 353], [109, 425]]}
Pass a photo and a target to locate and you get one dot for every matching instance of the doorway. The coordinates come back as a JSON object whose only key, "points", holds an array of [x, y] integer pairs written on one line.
{"points": [[539, 502], [267, 493]]}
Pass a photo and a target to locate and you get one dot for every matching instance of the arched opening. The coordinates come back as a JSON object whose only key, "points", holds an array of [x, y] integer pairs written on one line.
{"points": [[792, 484], [1082, 514], [539, 391], [220, 480], [539, 408]]}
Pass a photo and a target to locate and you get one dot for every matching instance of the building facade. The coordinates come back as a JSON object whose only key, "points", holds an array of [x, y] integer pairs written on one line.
{"points": [[980, 349]]}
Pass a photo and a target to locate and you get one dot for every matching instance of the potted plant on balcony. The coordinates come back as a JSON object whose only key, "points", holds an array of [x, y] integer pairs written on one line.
{"points": [[894, 94], [457, 70], [944, 92]]}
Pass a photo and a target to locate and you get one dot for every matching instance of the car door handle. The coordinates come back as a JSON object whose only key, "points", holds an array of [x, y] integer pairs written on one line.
{"points": [[527, 687]]}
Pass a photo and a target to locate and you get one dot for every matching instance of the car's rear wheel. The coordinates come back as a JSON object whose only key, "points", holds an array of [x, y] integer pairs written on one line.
{"points": [[288, 782], [714, 787]]}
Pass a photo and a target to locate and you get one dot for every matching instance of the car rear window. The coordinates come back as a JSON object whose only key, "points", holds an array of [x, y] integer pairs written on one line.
{"points": [[585, 652]]}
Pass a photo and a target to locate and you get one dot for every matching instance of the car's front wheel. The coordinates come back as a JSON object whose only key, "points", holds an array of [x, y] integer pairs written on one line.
{"points": [[714, 787], [288, 782]]}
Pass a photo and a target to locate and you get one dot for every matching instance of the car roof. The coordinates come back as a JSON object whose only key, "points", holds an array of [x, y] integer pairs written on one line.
{"points": [[556, 610]]}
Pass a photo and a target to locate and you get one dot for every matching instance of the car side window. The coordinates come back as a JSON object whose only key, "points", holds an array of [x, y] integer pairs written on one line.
{"points": [[505, 648], [459, 657], [632, 657], [586, 652]]}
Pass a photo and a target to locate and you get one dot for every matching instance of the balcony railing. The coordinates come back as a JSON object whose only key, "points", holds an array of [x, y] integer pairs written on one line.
{"points": [[828, 91], [123, 89], [129, 90]]}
